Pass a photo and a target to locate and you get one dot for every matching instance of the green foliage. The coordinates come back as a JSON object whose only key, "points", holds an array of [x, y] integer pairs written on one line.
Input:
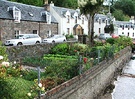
{"points": [[127, 6], [60, 49], [3, 53], [119, 15], [62, 69], [111, 41], [15, 88], [69, 36]]}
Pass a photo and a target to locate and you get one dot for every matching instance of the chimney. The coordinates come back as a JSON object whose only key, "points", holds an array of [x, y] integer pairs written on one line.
{"points": [[46, 5], [45, 2]]}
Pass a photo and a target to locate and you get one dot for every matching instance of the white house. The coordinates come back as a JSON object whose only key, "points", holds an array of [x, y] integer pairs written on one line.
{"points": [[70, 21], [125, 28], [100, 21]]}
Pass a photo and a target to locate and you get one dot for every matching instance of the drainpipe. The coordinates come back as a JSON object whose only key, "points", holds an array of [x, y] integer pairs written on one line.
{"points": [[39, 29]]}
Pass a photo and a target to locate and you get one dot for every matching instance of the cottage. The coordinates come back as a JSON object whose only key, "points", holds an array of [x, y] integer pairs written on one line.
{"points": [[17, 18]]}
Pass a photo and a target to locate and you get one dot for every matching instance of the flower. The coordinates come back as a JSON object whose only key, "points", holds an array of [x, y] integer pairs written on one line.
{"points": [[43, 88], [14, 62], [91, 59], [85, 60], [40, 85], [5, 63], [1, 57], [29, 94]]}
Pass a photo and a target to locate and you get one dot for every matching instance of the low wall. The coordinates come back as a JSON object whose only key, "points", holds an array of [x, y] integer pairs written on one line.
{"points": [[92, 82], [16, 53]]}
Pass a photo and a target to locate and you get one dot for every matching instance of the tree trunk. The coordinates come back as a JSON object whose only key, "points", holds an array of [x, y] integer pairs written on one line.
{"points": [[91, 30]]}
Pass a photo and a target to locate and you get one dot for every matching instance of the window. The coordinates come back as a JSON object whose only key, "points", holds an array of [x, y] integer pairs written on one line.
{"points": [[17, 16], [15, 12], [99, 30], [35, 32], [122, 32], [75, 19], [82, 20], [68, 30], [106, 22], [133, 34], [68, 19], [128, 34], [16, 33]]}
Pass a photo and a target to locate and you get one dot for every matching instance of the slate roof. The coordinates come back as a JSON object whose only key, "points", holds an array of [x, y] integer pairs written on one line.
{"points": [[61, 11], [26, 10], [126, 24]]}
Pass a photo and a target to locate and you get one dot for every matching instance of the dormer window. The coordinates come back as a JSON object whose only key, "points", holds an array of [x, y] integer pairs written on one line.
{"points": [[47, 16], [16, 13], [75, 19]]}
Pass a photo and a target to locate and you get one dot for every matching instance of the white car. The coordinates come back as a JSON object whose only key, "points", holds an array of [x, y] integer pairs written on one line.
{"points": [[55, 39], [104, 36], [24, 39]]}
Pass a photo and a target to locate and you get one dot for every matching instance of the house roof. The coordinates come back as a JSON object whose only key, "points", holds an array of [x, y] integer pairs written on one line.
{"points": [[28, 12], [126, 24], [61, 11]]}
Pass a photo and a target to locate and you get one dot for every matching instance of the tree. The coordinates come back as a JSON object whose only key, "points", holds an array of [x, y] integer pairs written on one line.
{"points": [[119, 15], [89, 9], [109, 28], [65, 3], [127, 6]]}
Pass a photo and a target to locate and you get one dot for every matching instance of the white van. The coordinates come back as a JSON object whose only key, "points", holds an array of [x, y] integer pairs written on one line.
{"points": [[24, 39]]}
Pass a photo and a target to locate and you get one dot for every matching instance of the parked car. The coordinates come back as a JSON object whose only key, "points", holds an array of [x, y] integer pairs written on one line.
{"points": [[104, 36], [55, 39], [24, 39], [115, 36]]}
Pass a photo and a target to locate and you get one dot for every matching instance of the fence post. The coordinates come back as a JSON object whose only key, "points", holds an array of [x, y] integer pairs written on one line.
{"points": [[80, 64], [39, 93], [98, 56]]}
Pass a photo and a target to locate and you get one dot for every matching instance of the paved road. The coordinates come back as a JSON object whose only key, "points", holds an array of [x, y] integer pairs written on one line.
{"points": [[125, 84]]}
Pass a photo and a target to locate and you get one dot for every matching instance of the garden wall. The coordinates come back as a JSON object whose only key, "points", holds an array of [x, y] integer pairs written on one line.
{"points": [[16, 53], [92, 82]]}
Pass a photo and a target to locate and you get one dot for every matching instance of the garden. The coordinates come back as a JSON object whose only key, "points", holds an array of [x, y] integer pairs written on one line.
{"points": [[63, 62]]}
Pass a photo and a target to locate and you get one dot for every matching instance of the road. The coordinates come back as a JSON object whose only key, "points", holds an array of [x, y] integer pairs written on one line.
{"points": [[125, 84]]}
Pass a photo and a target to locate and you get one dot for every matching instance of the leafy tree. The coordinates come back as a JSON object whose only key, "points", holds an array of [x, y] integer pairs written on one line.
{"points": [[66, 3], [127, 6], [89, 9], [119, 15], [30, 2]]}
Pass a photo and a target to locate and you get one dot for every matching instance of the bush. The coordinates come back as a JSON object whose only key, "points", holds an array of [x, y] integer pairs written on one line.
{"points": [[61, 49]]}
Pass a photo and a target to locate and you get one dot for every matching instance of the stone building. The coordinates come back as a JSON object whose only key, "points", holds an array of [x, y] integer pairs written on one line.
{"points": [[17, 18]]}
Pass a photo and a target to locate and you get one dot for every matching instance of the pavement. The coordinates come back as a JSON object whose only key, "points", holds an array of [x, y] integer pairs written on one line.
{"points": [[125, 84]]}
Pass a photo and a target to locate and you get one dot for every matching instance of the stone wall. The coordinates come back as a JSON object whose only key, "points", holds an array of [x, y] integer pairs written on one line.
{"points": [[16, 53], [92, 82]]}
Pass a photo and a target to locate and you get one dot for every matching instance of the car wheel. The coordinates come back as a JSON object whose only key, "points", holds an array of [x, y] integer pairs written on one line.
{"points": [[37, 42], [19, 44]]}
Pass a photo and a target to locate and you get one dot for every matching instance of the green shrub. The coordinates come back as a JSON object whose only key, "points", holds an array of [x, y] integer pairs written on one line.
{"points": [[15, 88], [61, 49]]}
